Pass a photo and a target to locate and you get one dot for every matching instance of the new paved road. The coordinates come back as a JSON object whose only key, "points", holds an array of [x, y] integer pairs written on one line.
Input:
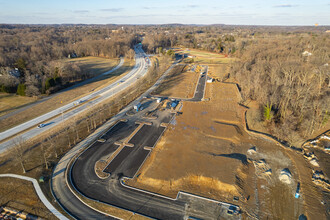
{"points": [[110, 190], [59, 186]]}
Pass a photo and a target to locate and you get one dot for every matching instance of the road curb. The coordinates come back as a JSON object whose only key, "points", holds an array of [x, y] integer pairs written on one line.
{"points": [[122, 182]]}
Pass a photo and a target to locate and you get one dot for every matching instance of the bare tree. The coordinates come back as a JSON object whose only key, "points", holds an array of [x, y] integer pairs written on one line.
{"points": [[44, 154], [52, 145], [18, 147]]}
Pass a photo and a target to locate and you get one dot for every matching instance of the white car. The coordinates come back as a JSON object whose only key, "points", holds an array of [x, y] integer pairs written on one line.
{"points": [[41, 125]]}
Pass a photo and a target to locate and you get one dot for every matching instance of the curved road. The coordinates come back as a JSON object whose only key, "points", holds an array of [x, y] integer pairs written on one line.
{"points": [[60, 189], [78, 106], [111, 191]]}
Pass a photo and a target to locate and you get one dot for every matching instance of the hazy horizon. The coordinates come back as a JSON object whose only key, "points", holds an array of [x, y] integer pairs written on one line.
{"points": [[144, 12]]}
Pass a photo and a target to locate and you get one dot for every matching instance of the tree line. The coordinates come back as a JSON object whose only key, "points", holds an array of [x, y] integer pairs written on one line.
{"points": [[36, 50]]}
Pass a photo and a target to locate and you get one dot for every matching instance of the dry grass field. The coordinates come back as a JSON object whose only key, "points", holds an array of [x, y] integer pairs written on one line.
{"points": [[21, 195], [64, 98], [10, 102], [94, 65], [204, 57], [180, 83]]}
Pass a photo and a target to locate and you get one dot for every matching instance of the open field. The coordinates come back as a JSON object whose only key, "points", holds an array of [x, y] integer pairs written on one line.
{"points": [[204, 57], [94, 65], [64, 98], [214, 134], [20, 194], [180, 83], [10, 102], [218, 70]]}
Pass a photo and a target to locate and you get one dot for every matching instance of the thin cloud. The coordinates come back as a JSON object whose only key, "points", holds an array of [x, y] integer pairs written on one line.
{"points": [[285, 6], [81, 11], [192, 6], [170, 7], [112, 9]]}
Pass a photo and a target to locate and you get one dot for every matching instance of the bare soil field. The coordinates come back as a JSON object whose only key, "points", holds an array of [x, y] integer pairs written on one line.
{"points": [[204, 152], [21, 195], [63, 98], [10, 102], [180, 83]]}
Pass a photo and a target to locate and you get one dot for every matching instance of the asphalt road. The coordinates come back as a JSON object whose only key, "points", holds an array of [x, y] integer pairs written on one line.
{"points": [[129, 159], [199, 92], [147, 135], [138, 71], [127, 162]]}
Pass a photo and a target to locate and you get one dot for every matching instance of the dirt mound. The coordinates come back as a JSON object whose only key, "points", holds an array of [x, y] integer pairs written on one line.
{"points": [[252, 151], [188, 183], [314, 162], [262, 169], [322, 142], [286, 176], [321, 180]]}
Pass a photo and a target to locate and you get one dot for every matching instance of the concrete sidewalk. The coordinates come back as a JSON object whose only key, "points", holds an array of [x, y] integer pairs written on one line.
{"points": [[39, 193]]}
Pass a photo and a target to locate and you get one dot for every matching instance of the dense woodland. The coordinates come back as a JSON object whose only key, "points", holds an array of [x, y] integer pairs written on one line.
{"points": [[289, 76], [36, 51]]}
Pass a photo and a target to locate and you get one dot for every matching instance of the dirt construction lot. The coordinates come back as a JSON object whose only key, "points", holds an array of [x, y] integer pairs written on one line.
{"points": [[204, 151], [180, 83]]}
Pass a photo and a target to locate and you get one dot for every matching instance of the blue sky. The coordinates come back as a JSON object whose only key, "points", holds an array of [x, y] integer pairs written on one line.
{"points": [[246, 12]]}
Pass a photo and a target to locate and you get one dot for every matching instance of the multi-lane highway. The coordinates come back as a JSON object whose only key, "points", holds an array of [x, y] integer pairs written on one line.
{"points": [[68, 111]]}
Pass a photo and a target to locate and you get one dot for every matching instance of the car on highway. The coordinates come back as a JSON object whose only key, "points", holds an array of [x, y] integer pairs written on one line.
{"points": [[41, 125], [233, 209], [230, 213]]}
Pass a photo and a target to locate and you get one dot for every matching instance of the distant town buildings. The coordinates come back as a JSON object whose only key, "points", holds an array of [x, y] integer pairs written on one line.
{"points": [[72, 55], [12, 72]]}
